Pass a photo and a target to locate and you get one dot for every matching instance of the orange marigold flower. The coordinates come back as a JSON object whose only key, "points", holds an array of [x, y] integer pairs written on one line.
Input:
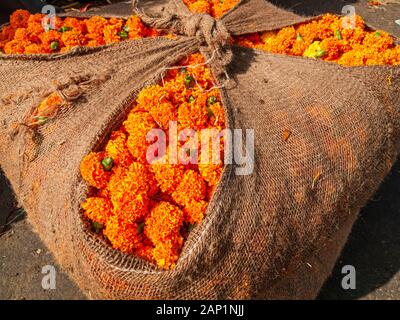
{"points": [[378, 40], [75, 24], [19, 19], [145, 252], [130, 190], [163, 114], [194, 211], [7, 33], [192, 116], [136, 28], [97, 209], [22, 34], [117, 149], [33, 48], [200, 6], [191, 187], [138, 126], [112, 30], [49, 106], [73, 38], [167, 175], [50, 36], [96, 24], [211, 173], [152, 96], [164, 221], [122, 234], [139, 122], [92, 170], [15, 47], [333, 48], [95, 42], [219, 7], [166, 253]]}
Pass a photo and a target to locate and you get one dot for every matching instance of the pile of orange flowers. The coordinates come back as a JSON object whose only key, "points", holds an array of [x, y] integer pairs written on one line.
{"points": [[26, 34], [148, 207], [330, 38], [343, 40]]}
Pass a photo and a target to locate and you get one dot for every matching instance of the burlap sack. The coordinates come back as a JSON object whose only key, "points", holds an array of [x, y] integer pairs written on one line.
{"points": [[273, 234]]}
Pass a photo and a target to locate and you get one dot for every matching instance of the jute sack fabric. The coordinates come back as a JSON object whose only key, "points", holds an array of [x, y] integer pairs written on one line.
{"points": [[273, 234]]}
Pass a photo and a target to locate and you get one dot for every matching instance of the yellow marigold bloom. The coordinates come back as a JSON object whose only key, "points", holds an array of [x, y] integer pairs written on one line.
{"points": [[97, 209], [93, 172]]}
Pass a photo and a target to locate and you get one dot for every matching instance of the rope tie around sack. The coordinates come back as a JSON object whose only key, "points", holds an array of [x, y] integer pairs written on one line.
{"points": [[213, 37]]}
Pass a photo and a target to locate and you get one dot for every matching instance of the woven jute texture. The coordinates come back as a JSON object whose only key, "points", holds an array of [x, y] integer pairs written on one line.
{"points": [[273, 234]]}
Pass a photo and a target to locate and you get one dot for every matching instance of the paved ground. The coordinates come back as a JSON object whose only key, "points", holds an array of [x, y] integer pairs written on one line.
{"points": [[373, 247]]}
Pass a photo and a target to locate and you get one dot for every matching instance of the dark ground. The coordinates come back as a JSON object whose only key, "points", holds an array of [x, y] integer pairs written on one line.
{"points": [[373, 247]]}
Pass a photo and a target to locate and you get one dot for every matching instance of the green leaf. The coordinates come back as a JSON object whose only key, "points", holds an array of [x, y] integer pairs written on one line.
{"points": [[210, 113], [191, 99], [338, 35], [123, 34], [140, 228], [97, 227], [189, 81], [64, 29], [41, 120], [299, 37], [212, 100], [54, 45], [107, 163], [320, 53]]}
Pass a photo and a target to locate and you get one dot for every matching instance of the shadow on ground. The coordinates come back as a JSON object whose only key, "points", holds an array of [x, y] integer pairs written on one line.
{"points": [[373, 247]]}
